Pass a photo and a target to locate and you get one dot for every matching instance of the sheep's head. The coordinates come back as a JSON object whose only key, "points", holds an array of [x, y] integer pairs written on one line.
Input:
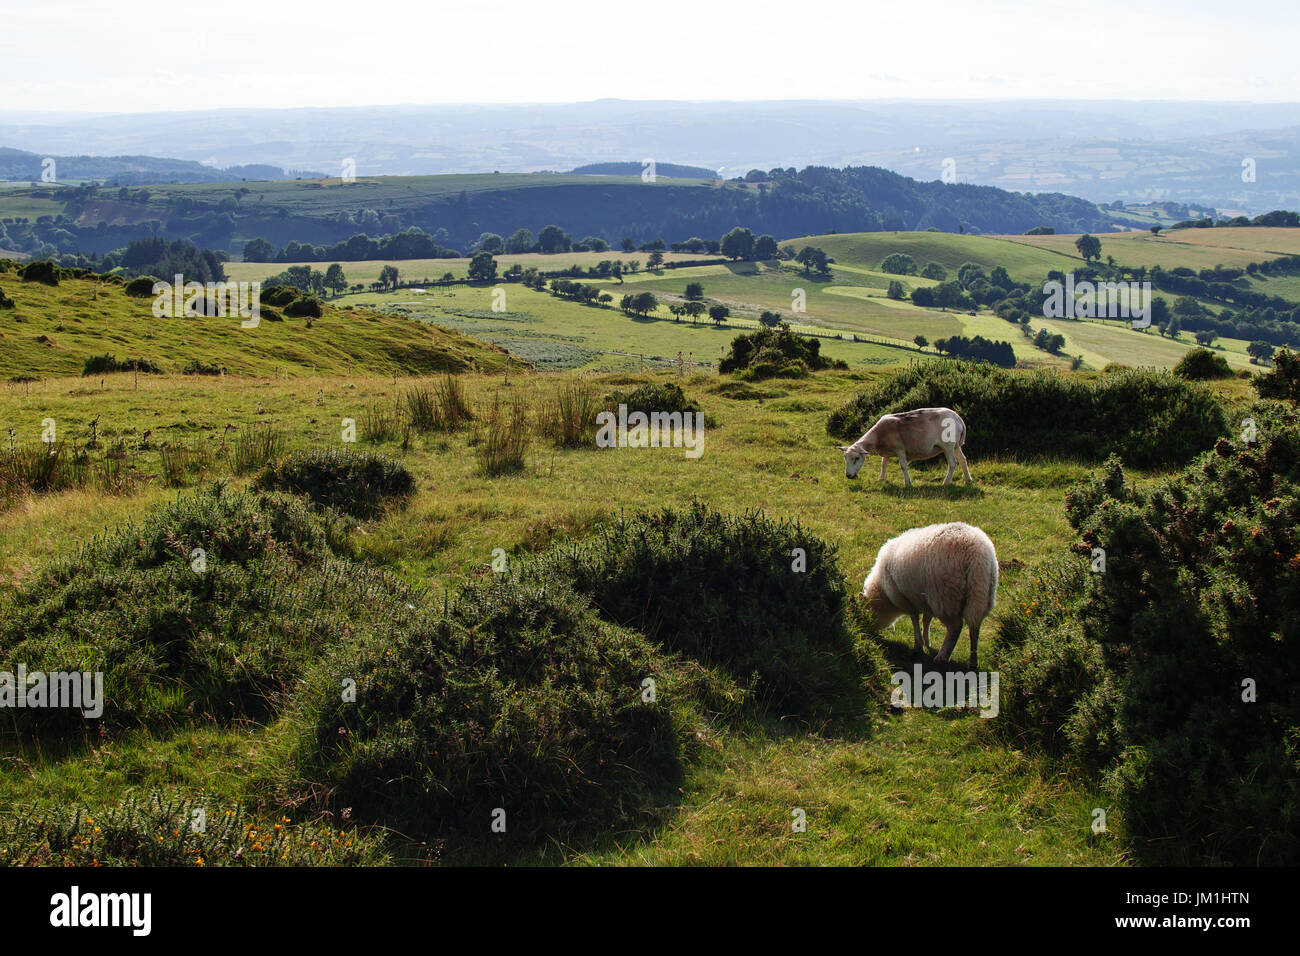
{"points": [[883, 613], [854, 457]]}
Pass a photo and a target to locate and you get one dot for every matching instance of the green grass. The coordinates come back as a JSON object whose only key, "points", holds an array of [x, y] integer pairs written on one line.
{"points": [[922, 788], [53, 330], [915, 788]]}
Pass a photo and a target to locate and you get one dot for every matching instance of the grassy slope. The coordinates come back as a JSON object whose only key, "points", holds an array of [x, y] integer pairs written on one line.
{"points": [[925, 788], [80, 318], [1194, 248]]}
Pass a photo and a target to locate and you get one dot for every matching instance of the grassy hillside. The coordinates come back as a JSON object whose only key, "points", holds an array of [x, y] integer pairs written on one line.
{"points": [[1193, 248], [948, 249], [53, 330], [918, 789]]}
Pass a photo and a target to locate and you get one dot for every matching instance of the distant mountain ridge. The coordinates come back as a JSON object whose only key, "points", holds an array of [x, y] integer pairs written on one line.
{"points": [[454, 211], [1184, 152], [672, 170]]}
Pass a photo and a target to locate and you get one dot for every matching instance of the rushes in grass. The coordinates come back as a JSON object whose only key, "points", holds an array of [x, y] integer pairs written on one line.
{"points": [[381, 422], [180, 463], [570, 417], [501, 438], [39, 468], [255, 447], [441, 408]]}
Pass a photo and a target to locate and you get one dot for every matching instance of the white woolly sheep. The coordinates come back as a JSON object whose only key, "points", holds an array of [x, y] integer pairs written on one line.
{"points": [[944, 571]]}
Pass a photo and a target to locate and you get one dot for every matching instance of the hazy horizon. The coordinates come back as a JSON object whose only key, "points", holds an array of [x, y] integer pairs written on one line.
{"points": [[391, 52]]}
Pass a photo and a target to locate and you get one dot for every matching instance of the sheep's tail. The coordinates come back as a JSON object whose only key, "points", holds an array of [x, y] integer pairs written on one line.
{"points": [[981, 581]]}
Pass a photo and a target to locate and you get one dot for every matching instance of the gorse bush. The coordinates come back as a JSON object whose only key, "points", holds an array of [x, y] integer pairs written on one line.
{"points": [[761, 599], [357, 483], [653, 397], [1148, 417], [102, 364], [44, 272], [140, 288], [776, 353], [1200, 364], [512, 695], [279, 295], [307, 305], [207, 609], [158, 831], [1174, 670], [1283, 379]]}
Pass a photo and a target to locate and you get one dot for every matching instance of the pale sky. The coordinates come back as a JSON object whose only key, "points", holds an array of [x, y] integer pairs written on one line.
{"points": [[133, 55]]}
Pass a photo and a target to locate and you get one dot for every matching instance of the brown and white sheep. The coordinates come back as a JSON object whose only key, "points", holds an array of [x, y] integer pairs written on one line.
{"points": [[911, 436]]}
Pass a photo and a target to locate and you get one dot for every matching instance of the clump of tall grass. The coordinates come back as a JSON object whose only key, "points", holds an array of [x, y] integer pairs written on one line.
{"points": [[255, 447], [501, 438], [569, 419], [440, 408], [180, 464], [39, 468], [381, 422]]}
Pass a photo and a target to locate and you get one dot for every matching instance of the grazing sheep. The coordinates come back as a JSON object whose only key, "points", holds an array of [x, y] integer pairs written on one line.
{"points": [[911, 436], [944, 571]]}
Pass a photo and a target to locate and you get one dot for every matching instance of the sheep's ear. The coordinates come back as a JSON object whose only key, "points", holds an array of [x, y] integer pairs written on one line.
{"points": [[842, 447]]}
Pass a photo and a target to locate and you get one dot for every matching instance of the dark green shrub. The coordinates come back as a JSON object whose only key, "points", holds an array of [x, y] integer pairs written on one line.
{"points": [[5, 301], [141, 288], [1151, 418], [45, 272], [653, 397], [103, 364], [723, 590], [1180, 657], [1201, 364], [177, 634], [357, 483], [1283, 379], [513, 696], [279, 295], [308, 305], [197, 367], [776, 350]]}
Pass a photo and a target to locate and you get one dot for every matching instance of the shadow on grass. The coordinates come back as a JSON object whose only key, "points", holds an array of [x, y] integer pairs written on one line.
{"points": [[954, 492]]}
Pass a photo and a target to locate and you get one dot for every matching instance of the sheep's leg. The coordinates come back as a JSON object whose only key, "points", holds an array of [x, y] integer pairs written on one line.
{"points": [[974, 647], [916, 634], [961, 456], [883, 462], [907, 475], [952, 464], [954, 632], [925, 631]]}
